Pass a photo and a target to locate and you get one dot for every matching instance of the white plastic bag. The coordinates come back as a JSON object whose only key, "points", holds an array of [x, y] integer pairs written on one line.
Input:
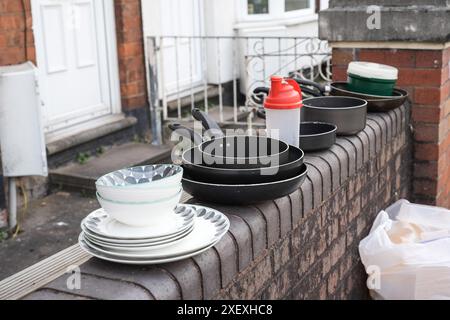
{"points": [[407, 253]]}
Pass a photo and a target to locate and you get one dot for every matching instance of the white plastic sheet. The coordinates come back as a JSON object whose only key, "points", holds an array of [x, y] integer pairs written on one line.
{"points": [[407, 253]]}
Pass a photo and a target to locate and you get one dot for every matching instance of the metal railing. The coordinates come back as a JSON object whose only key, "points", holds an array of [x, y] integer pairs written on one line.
{"points": [[221, 72]]}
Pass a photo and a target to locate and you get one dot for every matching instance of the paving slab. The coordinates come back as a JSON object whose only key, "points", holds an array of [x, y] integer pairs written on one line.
{"points": [[76, 176], [49, 226]]}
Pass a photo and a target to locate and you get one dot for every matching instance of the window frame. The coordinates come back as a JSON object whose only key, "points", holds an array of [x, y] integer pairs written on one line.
{"points": [[277, 11]]}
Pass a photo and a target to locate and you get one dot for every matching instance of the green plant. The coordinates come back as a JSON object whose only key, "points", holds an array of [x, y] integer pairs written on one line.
{"points": [[3, 236], [82, 157], [99, 151]]}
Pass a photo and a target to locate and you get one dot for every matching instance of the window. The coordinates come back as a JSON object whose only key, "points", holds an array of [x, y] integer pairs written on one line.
{"points": [[258, 6], [292, 5], [260, 10]]}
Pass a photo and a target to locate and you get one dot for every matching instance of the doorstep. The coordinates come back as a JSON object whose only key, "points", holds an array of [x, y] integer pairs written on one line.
{"points": [[63, 140], [82, 177]]}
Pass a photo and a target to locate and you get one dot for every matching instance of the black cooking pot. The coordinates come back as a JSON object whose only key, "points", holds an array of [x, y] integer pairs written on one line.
{"points": [[348, 114]]}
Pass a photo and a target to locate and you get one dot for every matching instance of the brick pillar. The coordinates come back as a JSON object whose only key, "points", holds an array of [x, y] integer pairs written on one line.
{"points": [[422, 58], [130, 45], [16, 34]]}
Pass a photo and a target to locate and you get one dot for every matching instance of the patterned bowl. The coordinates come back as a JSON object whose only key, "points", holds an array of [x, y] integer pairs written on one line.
{"points": [[151, 176], [141, 214]]}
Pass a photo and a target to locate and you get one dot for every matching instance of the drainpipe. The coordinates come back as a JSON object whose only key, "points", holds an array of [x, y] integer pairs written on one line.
{"points": [[12, 203], [2, 194], [153, 97]]}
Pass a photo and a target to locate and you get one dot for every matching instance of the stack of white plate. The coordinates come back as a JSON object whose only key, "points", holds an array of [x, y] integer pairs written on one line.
{"points": [[142, 222], [196, 229]]}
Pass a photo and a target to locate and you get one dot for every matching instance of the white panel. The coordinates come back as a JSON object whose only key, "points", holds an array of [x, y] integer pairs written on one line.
{"points": [[52, 17], [84, 34], [21, 134]]}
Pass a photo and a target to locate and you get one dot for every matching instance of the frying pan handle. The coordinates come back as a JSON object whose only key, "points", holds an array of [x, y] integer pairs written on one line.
{"points": [[261, 113], [186, 132], [312, 92], [322, 89], [259, 93], [208, 122]]}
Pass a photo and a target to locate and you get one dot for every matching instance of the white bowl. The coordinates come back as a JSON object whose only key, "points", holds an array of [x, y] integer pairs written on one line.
{"points": [[138, 194], [141, 214], [151, 176]]}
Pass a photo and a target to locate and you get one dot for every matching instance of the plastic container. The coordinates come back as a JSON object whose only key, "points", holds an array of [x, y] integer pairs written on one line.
{"points": [[371, 78], [282, 107]]}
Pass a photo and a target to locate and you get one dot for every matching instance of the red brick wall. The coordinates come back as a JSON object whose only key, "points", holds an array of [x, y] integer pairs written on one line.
{"points": [[16, 35], [17, 44], [425, 74], [131, 53]]}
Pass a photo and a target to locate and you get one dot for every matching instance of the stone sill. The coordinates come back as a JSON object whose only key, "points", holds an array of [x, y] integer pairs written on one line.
{"points": [[252, 259]]}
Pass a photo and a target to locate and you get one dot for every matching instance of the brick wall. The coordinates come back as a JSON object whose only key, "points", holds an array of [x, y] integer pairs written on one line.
{"points": [[425, 74], [16, 35], [303, 246], [131, 54]]}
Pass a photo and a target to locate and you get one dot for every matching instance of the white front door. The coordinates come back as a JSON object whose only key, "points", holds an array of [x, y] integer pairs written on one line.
{"points": [[181, 57], [77, 61]]}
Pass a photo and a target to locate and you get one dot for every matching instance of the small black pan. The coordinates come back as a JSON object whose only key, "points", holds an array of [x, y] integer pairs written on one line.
{"points": [[314, 136], [239, 151], [237, 194], [194, 166]]}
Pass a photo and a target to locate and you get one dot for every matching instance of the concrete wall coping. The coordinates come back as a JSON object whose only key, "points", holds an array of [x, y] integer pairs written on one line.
{"points": [[405, 21]]}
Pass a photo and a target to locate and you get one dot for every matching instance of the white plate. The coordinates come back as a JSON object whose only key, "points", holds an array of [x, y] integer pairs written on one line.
{"points": [[107, 257], [138, 246], [102, 224], [141, 242], [209, 227]]}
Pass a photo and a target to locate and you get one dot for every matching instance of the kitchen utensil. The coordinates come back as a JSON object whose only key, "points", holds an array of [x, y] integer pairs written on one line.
{"points": [[104, 227], [348, 114], [314, 136], [209, 227], [194, 166], [243, 193], [139, 194], [371, 78], [375, 103], [239, 152], [139, 246], [151, 176], [139, 214]]}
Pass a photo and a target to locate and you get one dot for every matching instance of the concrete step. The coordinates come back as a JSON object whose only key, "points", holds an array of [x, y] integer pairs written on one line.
{"points": [[82, 177]]}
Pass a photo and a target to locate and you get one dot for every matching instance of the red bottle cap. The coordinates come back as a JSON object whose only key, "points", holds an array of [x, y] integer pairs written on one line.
{"points": [[284, 94]]}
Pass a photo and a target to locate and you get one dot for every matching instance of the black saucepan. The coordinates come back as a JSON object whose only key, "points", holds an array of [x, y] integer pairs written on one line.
{"points": [[374, 103], [239, 151], [194, 166], [314, 136], [235, 194], [347, 113]]}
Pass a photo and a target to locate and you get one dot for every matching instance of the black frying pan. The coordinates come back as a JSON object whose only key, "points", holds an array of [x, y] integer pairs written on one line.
{"points": [[232, 194], [239, 151], [195, 167], [314, 136], [374, 103]]}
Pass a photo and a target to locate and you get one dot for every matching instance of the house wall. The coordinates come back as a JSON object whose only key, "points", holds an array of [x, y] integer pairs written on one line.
{"points": [[16, 34], [130, 45], [425, 75], [17, 44]]}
